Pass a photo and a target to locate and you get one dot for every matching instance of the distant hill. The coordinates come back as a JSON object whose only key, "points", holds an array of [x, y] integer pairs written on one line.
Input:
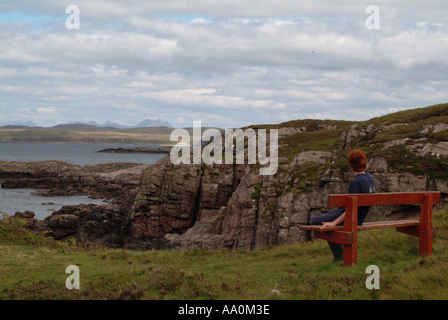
{"points": [[19, 123], [114, 125], [144, 124], [92, 123], [153, 123]]}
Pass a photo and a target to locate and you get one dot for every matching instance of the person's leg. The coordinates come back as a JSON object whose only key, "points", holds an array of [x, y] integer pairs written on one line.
{"points": [[335, 248], [338, 251], [327, 217]]}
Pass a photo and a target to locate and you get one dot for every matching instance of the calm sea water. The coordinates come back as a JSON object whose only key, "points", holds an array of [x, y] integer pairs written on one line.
{"points": [[13, 200], [80, 154]]}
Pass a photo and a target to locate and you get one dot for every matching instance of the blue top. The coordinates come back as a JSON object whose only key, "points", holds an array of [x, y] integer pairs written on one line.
{"points": [[363, 183]]}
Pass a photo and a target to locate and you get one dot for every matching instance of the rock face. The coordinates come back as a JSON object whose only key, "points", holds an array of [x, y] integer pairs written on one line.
{"points": [[286, 131], [167, 200], [434, 127], [307, 156], [173, 198], [91, 225], [30, 222]]}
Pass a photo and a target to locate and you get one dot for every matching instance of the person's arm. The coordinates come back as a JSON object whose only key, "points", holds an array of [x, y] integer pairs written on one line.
{"points": [[335, 222]]}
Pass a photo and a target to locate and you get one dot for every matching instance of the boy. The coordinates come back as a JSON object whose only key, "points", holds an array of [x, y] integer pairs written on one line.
{"points": [[362, 183]]}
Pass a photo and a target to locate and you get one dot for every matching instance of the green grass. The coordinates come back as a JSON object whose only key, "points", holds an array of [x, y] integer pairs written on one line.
{"points": [[411, 115], [325, 140], [33, 267]]}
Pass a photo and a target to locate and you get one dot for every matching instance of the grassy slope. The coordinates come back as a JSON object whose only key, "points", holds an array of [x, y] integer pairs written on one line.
{"points": [[34, 268]]}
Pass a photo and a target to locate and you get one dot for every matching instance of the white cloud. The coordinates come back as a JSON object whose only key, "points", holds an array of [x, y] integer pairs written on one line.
{"points": [[229, 63]]}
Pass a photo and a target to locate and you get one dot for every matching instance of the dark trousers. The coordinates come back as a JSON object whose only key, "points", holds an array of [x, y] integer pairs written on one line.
{"points": [[328, 217], [336, 249]]}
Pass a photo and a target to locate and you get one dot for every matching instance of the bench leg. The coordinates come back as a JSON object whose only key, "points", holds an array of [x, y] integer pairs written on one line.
{"points": [[350, 255], [425, 236], [351, 225]]}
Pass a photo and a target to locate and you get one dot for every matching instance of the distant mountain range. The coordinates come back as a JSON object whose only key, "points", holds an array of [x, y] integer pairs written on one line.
{"points": [[19, 123], [143, 124]]}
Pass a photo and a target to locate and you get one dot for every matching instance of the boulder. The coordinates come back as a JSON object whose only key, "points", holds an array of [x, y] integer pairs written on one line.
{"points": [[314, 156], [287, 131]]}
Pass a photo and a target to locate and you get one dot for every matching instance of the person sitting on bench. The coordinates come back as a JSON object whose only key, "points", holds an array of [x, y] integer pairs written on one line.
{"points": [[362, 183]]}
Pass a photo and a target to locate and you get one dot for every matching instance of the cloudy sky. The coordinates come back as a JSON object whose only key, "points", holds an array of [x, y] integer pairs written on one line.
{"points": [[226, 63]]}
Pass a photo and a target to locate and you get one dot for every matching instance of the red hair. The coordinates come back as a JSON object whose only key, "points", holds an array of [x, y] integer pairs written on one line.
{"points": [[357, 160]]}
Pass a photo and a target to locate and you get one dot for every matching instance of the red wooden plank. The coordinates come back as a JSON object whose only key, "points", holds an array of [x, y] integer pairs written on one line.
{"points": [[350, 254], [364, 226], [379, 199], [425, 239], [388, 224], [410, 230], [415, 231], [320, 228], [341, 237]]}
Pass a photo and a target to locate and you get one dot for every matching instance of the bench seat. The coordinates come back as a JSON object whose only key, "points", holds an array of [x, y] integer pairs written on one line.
{"points": [[365, 226]]}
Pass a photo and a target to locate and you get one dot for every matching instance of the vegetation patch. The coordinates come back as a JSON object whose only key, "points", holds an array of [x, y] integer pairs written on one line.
{"points": [[256, 194], [271, 209]]}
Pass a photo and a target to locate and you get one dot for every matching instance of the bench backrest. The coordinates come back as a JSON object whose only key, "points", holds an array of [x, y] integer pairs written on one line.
{"points": [[382, 199]]}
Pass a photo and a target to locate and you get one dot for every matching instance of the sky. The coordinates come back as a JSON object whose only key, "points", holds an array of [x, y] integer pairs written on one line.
{"points": [[225, 63]]}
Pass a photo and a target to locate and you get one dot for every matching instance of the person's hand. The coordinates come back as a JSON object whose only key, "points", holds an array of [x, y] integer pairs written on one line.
{"points": [[328, 224]]}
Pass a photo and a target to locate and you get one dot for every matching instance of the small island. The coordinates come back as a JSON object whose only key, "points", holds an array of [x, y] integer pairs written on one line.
{"points": [[142, 150]]}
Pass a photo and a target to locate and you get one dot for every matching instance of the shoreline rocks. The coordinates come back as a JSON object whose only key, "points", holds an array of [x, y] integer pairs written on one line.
{"points": [[139, 150], [57, 178]]}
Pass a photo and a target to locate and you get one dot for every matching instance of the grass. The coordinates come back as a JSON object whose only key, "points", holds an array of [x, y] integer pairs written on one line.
{"points": [[325, 140], [33, 267]]}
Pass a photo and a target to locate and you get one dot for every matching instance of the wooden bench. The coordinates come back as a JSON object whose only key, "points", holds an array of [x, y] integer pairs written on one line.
{"points": [[348, 234]]}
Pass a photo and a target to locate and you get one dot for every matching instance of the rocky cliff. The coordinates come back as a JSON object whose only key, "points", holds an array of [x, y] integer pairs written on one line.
{"points": [[407, 152], [233, 206]]}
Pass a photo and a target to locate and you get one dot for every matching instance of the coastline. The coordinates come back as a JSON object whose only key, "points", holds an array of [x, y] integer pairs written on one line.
{"points": [[138, 150], [88, 143]]}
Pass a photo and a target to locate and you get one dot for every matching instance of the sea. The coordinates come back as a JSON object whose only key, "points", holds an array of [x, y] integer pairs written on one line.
{"points": [[14, 200]]}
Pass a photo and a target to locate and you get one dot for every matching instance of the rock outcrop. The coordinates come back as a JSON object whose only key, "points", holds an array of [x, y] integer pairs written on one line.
{"points": [[90, 225], [36, 226], [57, 178], [139, 150]]}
